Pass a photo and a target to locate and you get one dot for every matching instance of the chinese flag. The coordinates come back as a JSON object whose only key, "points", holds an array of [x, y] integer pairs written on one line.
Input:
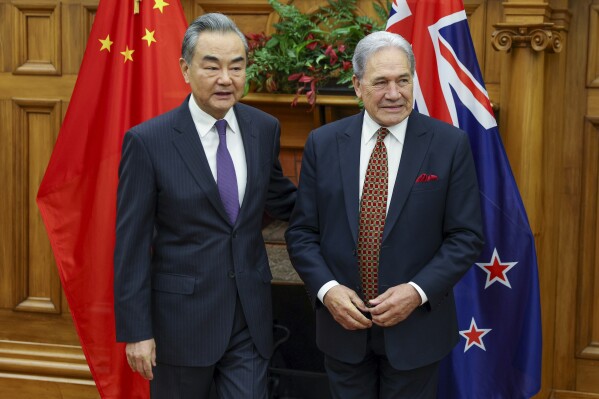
{"points": [[130, 72]]}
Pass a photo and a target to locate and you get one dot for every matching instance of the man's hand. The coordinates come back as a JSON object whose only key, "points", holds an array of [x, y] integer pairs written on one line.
{"points": [[345, 305], [394, 305], [141, 356]]}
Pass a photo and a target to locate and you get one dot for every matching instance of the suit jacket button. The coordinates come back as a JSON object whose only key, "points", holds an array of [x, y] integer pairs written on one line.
{"points": [[231, 274]]}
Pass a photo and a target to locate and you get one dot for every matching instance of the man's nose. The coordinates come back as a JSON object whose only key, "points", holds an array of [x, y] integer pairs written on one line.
{"points": [[224, 78], [393, 91]]}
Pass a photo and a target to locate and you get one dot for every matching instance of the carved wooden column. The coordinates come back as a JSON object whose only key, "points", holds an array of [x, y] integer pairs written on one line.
{"points": [[526, 35], [530, 32]]}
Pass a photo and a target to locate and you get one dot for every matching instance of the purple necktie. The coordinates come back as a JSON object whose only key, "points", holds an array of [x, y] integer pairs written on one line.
{"points": [[225, 173]]}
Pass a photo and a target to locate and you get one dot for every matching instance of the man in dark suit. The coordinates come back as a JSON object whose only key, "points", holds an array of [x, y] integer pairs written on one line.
{"points": [[387, 220], [192, 279]]}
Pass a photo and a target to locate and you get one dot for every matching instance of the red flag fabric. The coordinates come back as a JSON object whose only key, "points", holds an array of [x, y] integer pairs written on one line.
{"points": [[130, 72]]}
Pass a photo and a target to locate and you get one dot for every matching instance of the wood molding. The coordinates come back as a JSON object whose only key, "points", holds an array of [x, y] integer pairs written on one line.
{"points": [[37, 38], [37, 286], [88, 16], [245, 7], [297, 122], [561, 394], [285, 99], [561, 18], [539, 37], [520, 11], [588, 318], [46, 362], [593, 59]]}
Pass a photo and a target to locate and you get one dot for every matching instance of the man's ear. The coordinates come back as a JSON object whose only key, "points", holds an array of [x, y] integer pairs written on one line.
{"points": [[357, 87], [184, 69]]}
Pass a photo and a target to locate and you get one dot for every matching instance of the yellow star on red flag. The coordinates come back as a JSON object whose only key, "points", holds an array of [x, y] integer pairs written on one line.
{"points": [[106, 43], [160, 4], [128, 54], [149, 37]]}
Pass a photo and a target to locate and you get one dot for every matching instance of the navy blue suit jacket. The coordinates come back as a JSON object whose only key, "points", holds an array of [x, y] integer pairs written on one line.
{"points": [[179, 262], [432, 234]]}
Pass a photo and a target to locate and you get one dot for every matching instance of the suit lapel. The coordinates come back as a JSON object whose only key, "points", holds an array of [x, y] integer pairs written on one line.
{"points": [[348, 141], [415, 147], [189, 146], [250, 147]]}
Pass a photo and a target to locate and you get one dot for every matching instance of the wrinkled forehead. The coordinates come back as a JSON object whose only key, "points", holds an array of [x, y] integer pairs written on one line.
{"points": [[388, 60]]}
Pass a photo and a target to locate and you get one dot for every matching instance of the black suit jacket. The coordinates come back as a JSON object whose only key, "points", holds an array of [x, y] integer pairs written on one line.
{"points": [[432, 235], [179, 262]]}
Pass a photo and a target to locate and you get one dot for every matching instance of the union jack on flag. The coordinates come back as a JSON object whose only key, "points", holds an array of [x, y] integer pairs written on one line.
{"points": [[499, 317]]}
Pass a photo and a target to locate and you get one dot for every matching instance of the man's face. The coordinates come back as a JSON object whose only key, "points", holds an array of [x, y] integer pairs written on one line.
{"points": [[216, 74], [386, 89]]}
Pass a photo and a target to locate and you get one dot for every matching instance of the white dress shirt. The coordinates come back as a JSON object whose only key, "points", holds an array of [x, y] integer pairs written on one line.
{"points": [[394, 142], [204, 124]]}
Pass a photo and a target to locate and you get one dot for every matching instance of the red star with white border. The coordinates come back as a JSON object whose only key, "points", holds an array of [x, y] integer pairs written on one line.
{"points": [[496, 270], [474, 336]]}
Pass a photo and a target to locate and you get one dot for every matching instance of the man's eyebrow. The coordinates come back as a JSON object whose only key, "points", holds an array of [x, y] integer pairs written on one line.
{"points": [[216, 59], [403, 75]]}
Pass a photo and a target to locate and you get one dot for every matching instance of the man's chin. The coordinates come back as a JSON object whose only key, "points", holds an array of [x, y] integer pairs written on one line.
{"points": [[391, 118]]}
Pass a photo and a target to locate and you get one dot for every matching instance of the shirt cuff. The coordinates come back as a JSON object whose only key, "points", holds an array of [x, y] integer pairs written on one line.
{"points": [[325, 288], [423, 297]]}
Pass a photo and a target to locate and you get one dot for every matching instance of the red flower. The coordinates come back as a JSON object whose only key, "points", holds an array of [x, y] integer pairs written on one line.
{"points": [[341, 48], [332, 54], [312, 45], [256, 40], [306, 79], [346, 65]]}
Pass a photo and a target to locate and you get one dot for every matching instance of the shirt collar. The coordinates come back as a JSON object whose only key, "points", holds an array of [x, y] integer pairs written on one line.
{"points": [[370, 127], [204, 122]]}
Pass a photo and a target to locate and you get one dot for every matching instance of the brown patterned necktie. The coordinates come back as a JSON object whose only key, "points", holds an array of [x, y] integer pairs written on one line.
{"points": [[373, 210]]}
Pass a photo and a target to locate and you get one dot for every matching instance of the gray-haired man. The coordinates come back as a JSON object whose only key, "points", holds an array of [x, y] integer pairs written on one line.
{"points": [[192, 280]]}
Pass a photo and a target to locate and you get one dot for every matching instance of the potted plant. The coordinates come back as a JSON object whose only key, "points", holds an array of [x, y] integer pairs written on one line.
{"points": [[306, 52]]}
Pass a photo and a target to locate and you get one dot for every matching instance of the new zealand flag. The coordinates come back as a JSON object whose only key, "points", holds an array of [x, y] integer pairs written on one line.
{"points": [[499, 317]]}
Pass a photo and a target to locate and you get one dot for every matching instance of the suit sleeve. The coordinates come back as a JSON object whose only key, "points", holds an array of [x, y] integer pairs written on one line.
{"points": [[281, 195], [136, 202], [462, 229], [303, 234]]}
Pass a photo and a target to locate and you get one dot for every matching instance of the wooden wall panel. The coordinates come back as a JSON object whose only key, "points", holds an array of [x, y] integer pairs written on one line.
{"points": [[36, 35], [588, 315], [476, 10], [7, 275], [5, 32], [551, 178], [493, 60], [37, 123], [568, 279], [593, 59], [250, 15], [77, 20]]}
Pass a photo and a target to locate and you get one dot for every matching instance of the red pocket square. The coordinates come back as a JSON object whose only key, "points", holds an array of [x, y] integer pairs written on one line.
{"points": [[424, 178]]}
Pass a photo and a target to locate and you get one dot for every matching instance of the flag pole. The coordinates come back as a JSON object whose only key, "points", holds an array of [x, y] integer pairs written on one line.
{"points": [[136, 6]]}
